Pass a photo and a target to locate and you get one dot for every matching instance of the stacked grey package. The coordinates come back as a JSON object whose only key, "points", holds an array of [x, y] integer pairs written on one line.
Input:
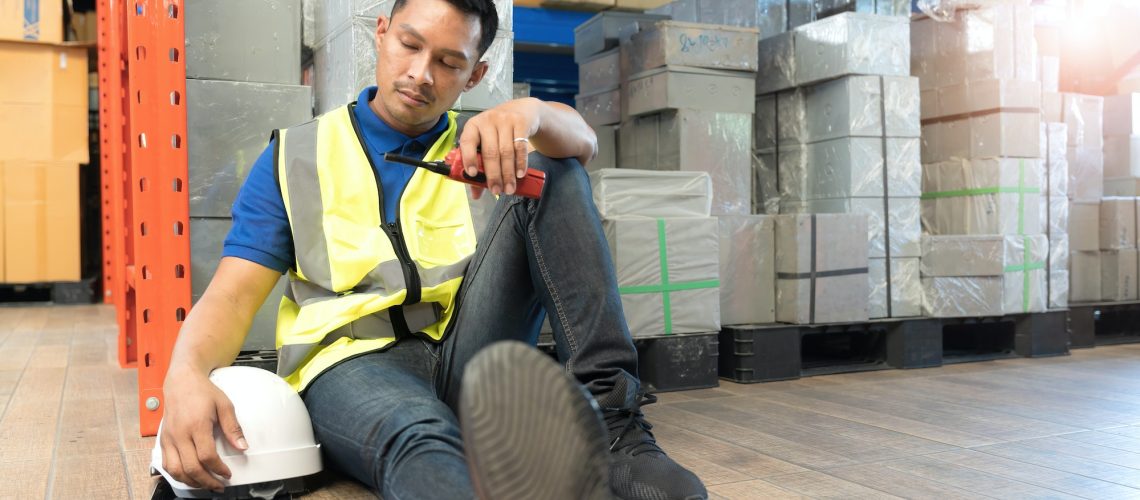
{"points": [[773, 17], [243, 65]]}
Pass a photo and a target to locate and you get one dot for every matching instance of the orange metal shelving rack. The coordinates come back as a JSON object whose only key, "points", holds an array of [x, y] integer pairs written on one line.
{"points": [[142, 111]]}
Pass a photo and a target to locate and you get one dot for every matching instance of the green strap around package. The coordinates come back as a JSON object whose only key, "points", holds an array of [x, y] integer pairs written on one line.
{"points": [[665, 288], [1021, 190]]}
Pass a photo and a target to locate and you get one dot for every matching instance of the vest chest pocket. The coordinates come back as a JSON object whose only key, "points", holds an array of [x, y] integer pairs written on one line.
{"points": [[441, 242]]}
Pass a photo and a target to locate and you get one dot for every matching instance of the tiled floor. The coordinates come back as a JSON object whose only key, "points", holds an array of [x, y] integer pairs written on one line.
{"points": [[1061, 427]]}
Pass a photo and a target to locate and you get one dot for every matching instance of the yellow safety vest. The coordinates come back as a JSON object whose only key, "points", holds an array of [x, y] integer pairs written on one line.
{"points": [[358, 282]]}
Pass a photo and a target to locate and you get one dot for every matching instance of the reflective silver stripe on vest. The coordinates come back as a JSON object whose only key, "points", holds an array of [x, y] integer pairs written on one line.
{"points": [[436, 276], [374, 326], [385, 279], [305, 204]]}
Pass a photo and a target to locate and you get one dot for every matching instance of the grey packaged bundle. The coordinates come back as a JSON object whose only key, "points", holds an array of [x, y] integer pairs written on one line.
{"points": [[859, 106], [1086, 173], [1118, 224], [1084, 114], [1084, 276], [1122, 156], [673, 43], [207, 235], [628, 192], [770, 16], [667, 273], [600, 108], [852, 44], [227, 124], [1118, 274], [828, 8], [601, 32], [1122, 115], [600, 72], [765, 192], [893, 224], [983, 196], [607, 148], [1055, 212], [676, 87], [984, 275], [904, 287], [851, 167], [1058, 267], [747, 269], [695, 140], [777, 58], [1054, 150], [998, 42], [820, 276], [254, 41]]}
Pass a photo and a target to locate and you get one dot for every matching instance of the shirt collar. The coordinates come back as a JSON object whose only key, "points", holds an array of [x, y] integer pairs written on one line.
{"points": [[382, 137]]}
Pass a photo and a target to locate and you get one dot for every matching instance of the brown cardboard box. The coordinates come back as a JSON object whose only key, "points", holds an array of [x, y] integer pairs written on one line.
{"points": [[41, 221], [2, 225], [43, 102], [40, 20]]}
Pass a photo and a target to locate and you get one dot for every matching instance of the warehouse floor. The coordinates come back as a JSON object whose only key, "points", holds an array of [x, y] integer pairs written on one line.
{"points": [[1057, 427]]}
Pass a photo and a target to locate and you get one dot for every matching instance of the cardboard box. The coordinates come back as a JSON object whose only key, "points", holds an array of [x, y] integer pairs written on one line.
{"points": [[683, 87], [1122, 156], [607, 148], [627, 192], [667, 272], [808, 246], [778, 59], [600, 108], [852, 44], [673, 43], [600, 33], [1118, 224], [998, 42], [43, 102], [902, 219], [600, 72], [1086, 173], [986, 196], [41, 221], [1054, 150], [1084, 225], [1084, 114], [1001, 134], [249, 41], [1052, 107], [1084, 277], [33, 20], [1122, 115], [850, 167], [859, 106], [1049, 73], [905, 288], [1058, 269], [695, 140], [1122, 186], [963, 275], [977, 97], [1118, 275], [1055, 213], [747, 269], [765, 192]]}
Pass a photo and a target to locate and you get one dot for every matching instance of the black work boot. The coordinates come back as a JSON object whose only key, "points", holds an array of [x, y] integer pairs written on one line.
{"points": [[529, 430], [639, 469]]}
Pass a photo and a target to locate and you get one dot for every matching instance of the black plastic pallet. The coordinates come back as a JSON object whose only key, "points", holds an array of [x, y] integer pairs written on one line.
{"points": [[1104, 323], [62, 292], [668, 363], [766, 353]]}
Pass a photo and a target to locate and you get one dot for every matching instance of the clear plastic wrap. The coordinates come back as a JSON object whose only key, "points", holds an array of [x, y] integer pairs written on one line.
{"points": [[1084, 276], [696, 140], [1084, 114], [1122, 156], [330, 16], [1058, 268], [906, 288], [206, 237], [778, 62], [984, 196], [1054, 149], [621, 192], [1118, 275], [251, 41], [903, 217], [600, 108], [607, 148], [827, 8], [841, 168], [600, 72], [1086, 173], [497, 86], [604, 31], [684, 297], [802, 296], [764, 123], [904, 167], [1122, 114], [1000, 43], [747, 269], [678, 87], [1005, 134], [1117, 223], [790, 117], [688, 44], [963, 275], [1055, 210], [852, 44], [765, 194], [845, 107], [1084, 225], [901, 105], [228, 125]]}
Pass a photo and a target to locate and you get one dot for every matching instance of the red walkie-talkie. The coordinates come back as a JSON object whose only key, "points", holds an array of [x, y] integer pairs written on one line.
{"points": [[452, 166]]}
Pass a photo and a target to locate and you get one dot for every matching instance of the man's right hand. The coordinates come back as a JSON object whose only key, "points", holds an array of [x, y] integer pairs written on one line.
{"points": [[194, 405]]}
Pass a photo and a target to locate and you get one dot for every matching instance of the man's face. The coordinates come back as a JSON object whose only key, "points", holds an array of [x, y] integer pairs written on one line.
{"points": [[427, 54]]}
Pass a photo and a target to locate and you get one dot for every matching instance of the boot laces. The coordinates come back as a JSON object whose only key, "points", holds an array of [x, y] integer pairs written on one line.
{"points": [[620, 421]]}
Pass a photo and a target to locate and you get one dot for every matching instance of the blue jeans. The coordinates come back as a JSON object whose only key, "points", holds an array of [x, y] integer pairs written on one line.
{"points": [[388, 418]]}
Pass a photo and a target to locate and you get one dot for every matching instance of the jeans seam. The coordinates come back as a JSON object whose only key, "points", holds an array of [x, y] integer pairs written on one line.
{"points": [[559, 310]]}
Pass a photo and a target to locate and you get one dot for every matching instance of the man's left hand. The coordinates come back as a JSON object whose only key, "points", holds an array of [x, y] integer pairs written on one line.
{"points": [[501, 135]]}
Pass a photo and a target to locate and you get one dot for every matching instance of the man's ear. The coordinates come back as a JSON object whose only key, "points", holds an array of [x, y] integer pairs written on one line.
{"points": [[476, 75], [382, 25]]}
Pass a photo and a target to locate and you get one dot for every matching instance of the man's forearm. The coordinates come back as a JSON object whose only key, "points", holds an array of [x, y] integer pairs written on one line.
{"points": [[562, 133]]}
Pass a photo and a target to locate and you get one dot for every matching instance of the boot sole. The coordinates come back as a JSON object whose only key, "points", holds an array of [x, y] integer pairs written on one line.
{"points": [[529, 430]]}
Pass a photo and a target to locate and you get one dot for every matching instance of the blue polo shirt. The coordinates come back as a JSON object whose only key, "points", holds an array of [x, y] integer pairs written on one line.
{"points": [[260, 231]]}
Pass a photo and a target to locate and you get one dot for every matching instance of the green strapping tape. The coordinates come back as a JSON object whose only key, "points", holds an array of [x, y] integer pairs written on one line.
{"points": [[980, 191]]}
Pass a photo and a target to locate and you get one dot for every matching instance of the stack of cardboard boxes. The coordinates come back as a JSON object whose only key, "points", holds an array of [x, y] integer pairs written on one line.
{"points": [[983, 178], [242, 82], [837, 132], [43, 143], [1083, 118]]}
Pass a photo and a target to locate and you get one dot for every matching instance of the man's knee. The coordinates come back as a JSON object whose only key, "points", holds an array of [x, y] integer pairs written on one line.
{"points": [[561, 173]]}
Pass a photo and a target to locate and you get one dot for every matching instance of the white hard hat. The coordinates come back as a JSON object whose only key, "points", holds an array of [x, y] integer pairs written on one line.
{"points": [[276, 426]]}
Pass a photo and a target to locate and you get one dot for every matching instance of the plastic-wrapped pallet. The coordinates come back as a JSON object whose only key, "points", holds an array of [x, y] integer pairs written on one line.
{"points": [[747, 269], [1084, 116], [849, 167], [648, 193], [1118, 223], [1085, 276], [904, 229], [985, 196], [982, 119], [672, 43], [853, 106], [1118, 275], [667, 273], [987, 275], [683, 87], [904, 288], [1086, 173], [1122, 139], [1054, 148], [695, 140], [819, 279], [995, 41], [1055, 213]]}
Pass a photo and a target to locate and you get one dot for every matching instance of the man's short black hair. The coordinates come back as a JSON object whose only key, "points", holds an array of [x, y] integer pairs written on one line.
{"points": [[483, 9]]}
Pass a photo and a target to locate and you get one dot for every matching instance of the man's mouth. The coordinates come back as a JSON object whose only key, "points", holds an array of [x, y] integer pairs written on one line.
{"points": [[413, 98]]}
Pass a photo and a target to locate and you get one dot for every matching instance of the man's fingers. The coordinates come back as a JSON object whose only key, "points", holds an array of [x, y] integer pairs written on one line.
{"points": [[173, 465], [228, 422], [469, 148], [520, 153], [192, 458], [507, 158], [488, 145]]}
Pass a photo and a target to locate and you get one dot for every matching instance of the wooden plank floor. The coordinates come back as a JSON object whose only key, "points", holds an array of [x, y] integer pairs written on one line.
{"points": [[1065, 427]]}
